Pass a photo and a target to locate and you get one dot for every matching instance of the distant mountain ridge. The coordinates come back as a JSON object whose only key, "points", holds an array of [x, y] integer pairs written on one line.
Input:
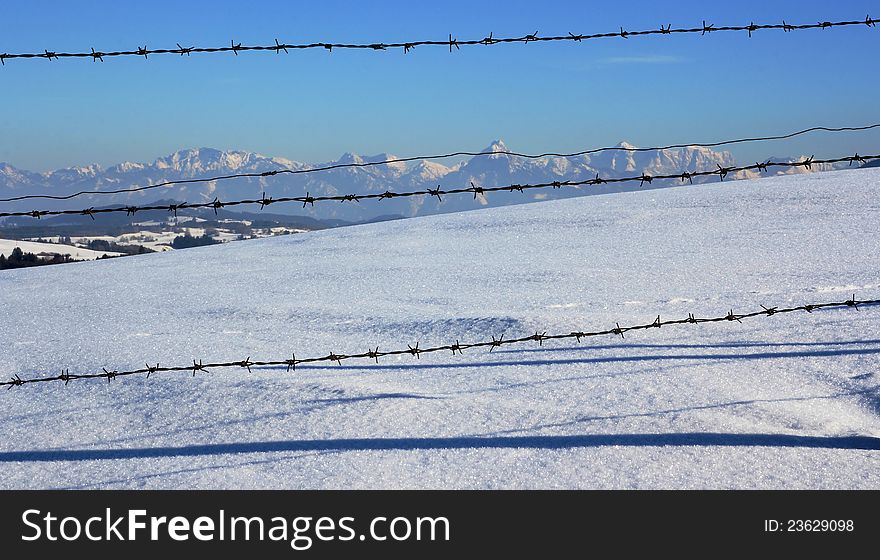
{"points": [[495, 169]]}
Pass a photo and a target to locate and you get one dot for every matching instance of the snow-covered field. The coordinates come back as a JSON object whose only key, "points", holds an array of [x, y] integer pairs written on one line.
{"points": [[787, 401], [78, 253], [157, 241], [162, 240]]}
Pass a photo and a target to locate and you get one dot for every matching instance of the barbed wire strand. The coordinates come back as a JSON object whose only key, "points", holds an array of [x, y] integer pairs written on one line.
{"points": [[306, 200], [443, 156], [415, 351], [451, 42]]}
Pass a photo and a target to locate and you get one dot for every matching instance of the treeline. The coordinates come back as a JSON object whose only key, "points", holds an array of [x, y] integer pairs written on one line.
{"points": [[102, 245], [109, 246], [19, 259], [186, 241]]}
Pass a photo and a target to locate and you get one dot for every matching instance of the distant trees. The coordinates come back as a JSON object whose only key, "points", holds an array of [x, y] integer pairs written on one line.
{"points": [[99, 245], [186, 241], [109, 246], [19, 259]]}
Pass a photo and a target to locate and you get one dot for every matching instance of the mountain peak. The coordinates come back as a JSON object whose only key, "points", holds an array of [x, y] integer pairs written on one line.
{"points": [[206, 153], [496, 147], [429, 170], [349, 157], [195, 161], [625, 145]]}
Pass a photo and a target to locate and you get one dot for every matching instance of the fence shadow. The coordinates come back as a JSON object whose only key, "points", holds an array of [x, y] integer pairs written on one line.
{"points": [[551, 442], [816, 353], [685, 346]]}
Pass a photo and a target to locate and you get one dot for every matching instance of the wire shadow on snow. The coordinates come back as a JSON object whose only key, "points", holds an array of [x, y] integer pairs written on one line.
{"points": [[597, 360], [560, 442], [370, 398], [743, 344]]}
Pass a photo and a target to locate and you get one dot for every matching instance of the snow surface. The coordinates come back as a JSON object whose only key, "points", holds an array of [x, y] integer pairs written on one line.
{"points": [[781, 402]]}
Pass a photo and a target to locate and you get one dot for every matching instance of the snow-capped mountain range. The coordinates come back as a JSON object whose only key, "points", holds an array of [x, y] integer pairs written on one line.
{"points": [[495, 169]]}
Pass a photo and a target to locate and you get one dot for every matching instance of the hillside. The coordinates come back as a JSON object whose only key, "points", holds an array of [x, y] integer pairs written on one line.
{"points": [[78, 253], [788, 401]]}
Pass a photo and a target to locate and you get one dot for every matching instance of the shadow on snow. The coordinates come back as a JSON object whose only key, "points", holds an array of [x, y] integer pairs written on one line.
{"points": [[550, 442]]}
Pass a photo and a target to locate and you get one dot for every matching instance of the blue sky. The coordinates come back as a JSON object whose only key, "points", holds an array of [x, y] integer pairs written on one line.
{"points": [[313, 106]]}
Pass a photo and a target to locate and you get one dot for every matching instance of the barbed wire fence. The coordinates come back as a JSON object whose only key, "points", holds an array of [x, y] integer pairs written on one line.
{"points": [[199, 366], [364, 164], [306, 200], [451, 42]]}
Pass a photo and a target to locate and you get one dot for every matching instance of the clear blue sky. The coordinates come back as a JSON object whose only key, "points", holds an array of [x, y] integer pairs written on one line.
{"points": [[313, 106]]}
